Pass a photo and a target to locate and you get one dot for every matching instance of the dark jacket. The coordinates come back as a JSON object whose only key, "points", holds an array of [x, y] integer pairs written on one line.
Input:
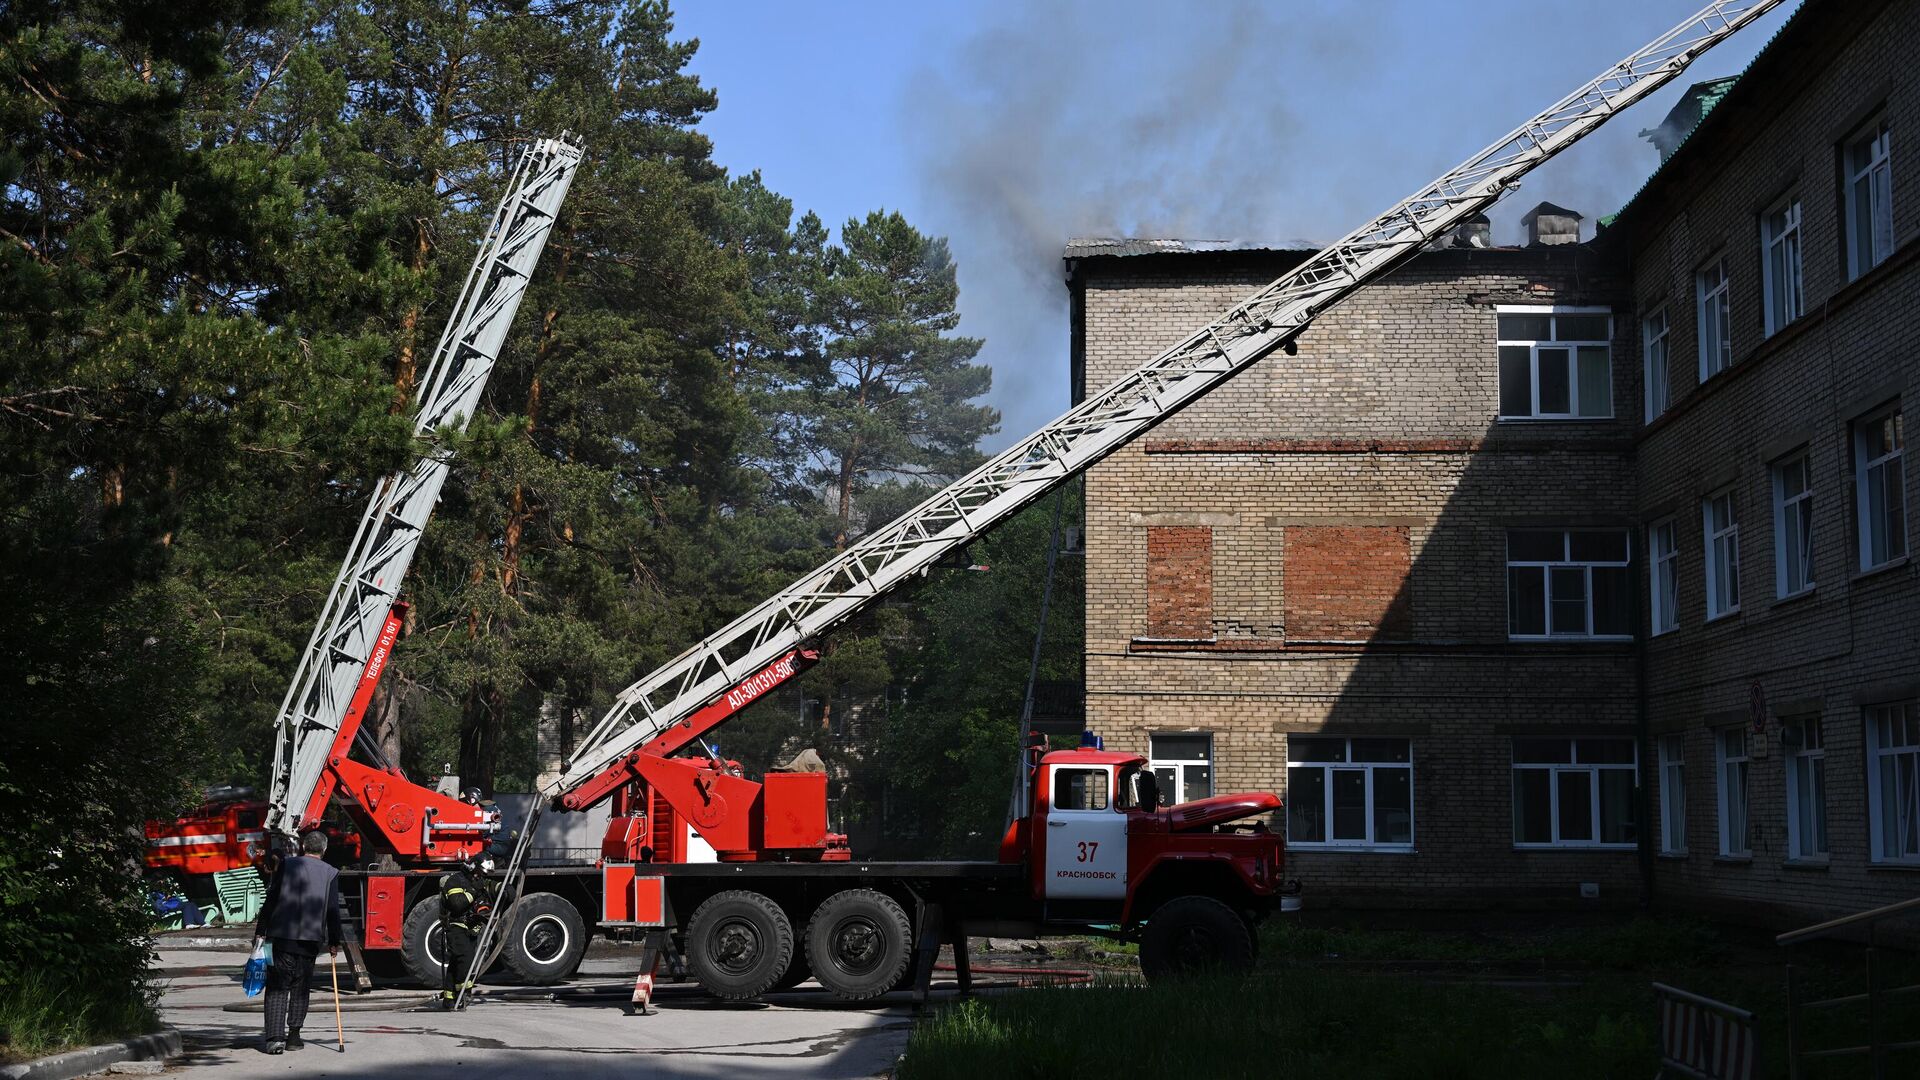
{"points": [[303, 902], [466, 900]]}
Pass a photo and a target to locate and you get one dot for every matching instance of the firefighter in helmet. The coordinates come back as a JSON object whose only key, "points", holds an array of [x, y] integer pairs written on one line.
{"points": [[467, 896]]}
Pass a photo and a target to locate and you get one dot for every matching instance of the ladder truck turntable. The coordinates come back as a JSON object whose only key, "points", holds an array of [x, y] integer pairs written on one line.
{"points": [[743, 875]]}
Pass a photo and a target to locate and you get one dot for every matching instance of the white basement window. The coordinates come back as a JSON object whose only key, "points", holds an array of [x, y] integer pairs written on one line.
{"points": [[1556, 363]]}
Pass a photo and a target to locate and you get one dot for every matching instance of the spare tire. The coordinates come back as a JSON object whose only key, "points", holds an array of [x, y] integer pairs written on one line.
{"points": [[739, 944], [547, 939], [859, 944], [1191, 934]]}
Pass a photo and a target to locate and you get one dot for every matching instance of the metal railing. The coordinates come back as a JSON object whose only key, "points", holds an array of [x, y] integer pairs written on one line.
{"points": [[1879, 1045]]}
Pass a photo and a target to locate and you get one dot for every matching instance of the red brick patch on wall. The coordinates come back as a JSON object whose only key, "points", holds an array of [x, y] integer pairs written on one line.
{"points": [[1179, 581], [1346, 583]]}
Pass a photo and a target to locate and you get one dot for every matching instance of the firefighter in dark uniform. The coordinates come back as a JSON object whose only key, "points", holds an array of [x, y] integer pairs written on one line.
{"points": [[467, 897]]}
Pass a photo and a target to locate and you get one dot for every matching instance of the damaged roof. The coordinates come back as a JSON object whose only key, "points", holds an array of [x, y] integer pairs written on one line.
{"points": [[1082, 247]]}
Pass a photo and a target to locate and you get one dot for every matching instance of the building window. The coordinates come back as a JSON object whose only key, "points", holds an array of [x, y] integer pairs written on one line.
{"points": [[1573, 792], [1731, 751], [1780, 269], [1567, 583], [1806, 788], [1664, 552], [1673, 795], [1879, 443], [1722, 532], [1349, 792], [1555, 363], [1183, 764], [1893, 781], [1869, 197], [1653, 331], [1792, 527], [1715, 319]]}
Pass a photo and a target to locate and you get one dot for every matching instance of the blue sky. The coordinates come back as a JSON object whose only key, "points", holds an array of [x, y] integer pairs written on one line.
{"points": [[1009, 127]]}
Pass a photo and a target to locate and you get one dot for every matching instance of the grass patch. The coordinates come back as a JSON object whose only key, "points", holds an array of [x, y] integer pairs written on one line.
{"points": [[1304, 1023], [39, 1016], [1636, 945], [1352, 1002]]}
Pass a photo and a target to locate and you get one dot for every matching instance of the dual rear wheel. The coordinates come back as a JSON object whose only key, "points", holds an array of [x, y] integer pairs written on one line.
{"points": [[858, 944]]}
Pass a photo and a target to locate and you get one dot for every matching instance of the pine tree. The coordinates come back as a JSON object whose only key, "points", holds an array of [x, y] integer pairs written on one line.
{"points": [[891, 396]]}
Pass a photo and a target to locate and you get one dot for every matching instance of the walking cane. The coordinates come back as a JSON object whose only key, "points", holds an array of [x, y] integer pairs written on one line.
{"points": [[339, 1027]]}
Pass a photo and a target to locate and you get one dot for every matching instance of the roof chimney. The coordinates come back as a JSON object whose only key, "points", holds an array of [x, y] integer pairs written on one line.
{"points": [[1473, 232], [1549, 224]]}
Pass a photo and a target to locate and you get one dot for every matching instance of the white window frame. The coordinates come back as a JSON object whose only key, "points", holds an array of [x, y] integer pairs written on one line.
{"points": [[1894, 817], [1553, 341], [1713, 311], [1673, 794], [1656, 346], [1721, 546], [1792, 521], [1567, 562], [1729, 766], [1868, 196], [1891, 467], [1371, 768], [1663, 576], [1806, 766], [1181, 766], [1783, 293], [1575, 765]]}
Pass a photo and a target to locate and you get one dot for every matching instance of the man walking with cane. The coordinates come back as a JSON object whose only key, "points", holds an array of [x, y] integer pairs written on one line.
{"points": [[302, 911]]}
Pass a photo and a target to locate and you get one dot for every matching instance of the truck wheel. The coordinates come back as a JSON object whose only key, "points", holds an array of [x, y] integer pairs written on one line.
{"points": [[1190, 934], [797, 971], [739, 943], [547, 940], [421, 946], [859, 944]]}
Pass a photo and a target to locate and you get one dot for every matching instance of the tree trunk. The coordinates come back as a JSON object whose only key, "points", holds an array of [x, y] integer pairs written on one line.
{"points": [[383, 720], [405, 371], [482, 720], [847, 473]]}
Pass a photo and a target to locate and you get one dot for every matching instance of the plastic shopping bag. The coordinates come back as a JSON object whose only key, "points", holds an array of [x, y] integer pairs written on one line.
{"points": [[254, 979]]}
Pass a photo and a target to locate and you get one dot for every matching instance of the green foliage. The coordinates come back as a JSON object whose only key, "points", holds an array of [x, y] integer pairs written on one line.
{"points": [[947, 755], [1638, 944], [1304, 1023], [229, 230]]}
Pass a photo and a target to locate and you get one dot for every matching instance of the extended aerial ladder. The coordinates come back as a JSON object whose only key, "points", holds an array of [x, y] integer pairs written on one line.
{"points": [[694, 692], [674, 706], [704, 686], [319, 720]]}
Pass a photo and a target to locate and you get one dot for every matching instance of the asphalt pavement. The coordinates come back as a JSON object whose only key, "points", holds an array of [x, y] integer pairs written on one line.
{"points": [[579, 1031]]}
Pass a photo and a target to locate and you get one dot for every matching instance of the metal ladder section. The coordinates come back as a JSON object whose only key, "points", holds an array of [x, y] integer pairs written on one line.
{"points": [[389, 533], [503, 908], [1269, 318]]}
